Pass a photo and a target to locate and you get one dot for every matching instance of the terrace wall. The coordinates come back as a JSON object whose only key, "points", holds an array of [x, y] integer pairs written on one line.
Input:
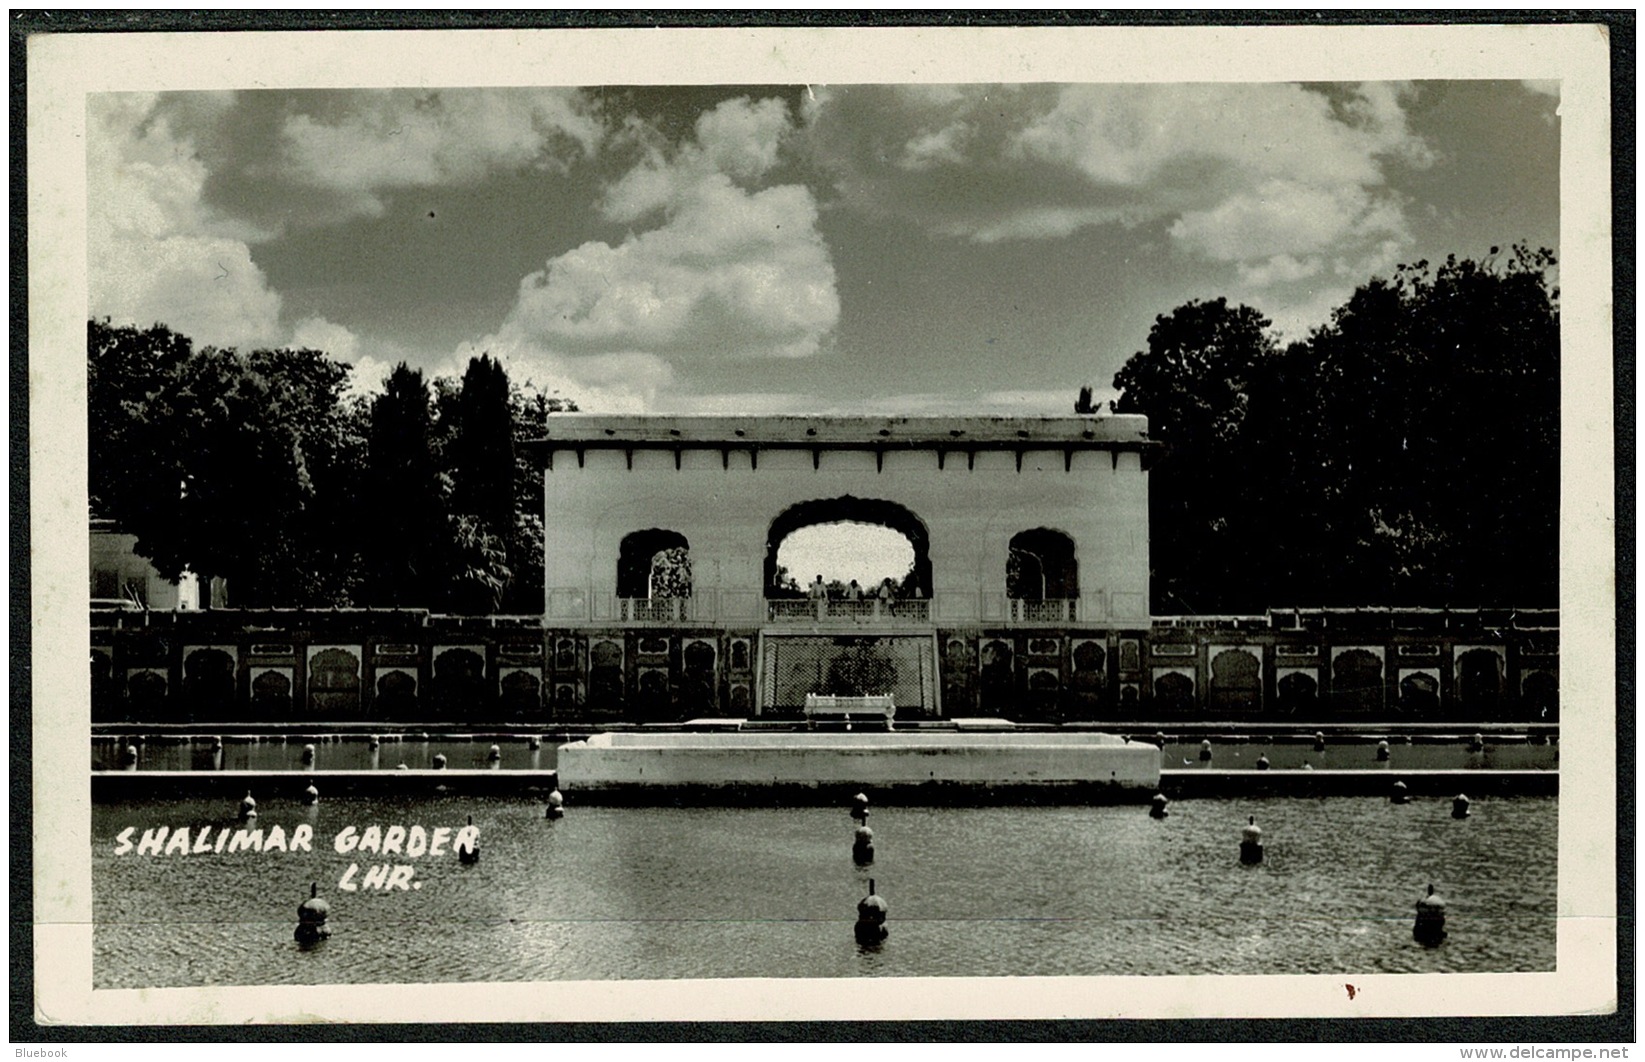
{"points": [[411, 667]]}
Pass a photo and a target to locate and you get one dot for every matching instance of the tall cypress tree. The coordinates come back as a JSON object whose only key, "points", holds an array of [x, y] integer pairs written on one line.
{"points": [[405, 528], [478, 426], [484, 459]]}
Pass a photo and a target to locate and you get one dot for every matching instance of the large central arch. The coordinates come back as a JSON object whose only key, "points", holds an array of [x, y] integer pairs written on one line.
{"points": [[848, 508]]}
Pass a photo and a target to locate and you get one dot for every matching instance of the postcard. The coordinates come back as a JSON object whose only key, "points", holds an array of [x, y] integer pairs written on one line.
{"points": [[822, 523]]}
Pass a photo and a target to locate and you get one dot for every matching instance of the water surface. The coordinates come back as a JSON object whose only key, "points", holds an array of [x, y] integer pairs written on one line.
{"points": [[643, 893]]}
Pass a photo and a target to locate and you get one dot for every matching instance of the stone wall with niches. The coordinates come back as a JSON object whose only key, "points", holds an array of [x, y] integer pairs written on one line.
{"points": [[412, 668], [408, 667]]}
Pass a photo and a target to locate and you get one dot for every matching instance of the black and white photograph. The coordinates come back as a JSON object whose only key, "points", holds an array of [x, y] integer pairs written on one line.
{"points": [[602, 525]]}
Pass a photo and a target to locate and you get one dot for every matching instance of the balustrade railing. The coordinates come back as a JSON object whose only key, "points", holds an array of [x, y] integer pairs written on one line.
{"points": [[918, 610], [866, 610], [653, 609], [786, 609], [1049, 610], [853, 610]]}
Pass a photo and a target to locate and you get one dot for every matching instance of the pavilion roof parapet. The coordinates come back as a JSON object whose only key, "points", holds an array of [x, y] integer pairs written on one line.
{"points": [[603, 431]]}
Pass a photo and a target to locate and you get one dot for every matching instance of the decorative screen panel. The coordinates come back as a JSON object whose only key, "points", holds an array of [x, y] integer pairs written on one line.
{"points": [[854, 665]]}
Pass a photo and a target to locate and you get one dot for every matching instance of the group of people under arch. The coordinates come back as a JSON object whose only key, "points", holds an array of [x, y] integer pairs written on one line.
{"points": [[887, 590]]}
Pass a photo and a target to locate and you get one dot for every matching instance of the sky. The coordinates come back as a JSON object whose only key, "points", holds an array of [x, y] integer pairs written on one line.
{"points": [[880, 249], [845, 551]]}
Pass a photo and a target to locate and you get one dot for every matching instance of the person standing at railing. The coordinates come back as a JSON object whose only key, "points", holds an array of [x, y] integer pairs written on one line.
{"points": [[853, 592], [819, 589], [885, 591]]}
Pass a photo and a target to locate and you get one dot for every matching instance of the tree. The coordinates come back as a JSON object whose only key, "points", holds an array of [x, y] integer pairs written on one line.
{"points": [[484, 454], [1407, 453], [311, 559], [257, 468], [473, 440], [1194, 383], [128, 375], [671, 572], [341, 487], [479, 567], [215, 459], [407, 547], [1438, 413]]}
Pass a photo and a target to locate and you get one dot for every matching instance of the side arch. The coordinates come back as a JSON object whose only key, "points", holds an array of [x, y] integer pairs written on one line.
{"points": [[637, 563], [1041, 566]]}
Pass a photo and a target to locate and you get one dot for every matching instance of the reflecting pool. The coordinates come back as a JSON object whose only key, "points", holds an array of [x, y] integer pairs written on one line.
{"points": [[645, 893]]}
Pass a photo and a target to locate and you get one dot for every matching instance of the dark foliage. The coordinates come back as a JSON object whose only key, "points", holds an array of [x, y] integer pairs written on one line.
{"points": [[258, 469], [230, 465], [1407, 453], [483, 462], [405, 531]]}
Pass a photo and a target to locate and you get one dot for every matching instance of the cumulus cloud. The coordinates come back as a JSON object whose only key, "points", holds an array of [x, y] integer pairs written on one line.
{"points": [[404, 138], [1280, 269], [177, 184], [1275, 179], [928, 150], [740, 138], [730, 273], [317, 333], [156, 253], [371, 360], [723, 270], [1282, 217]]}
